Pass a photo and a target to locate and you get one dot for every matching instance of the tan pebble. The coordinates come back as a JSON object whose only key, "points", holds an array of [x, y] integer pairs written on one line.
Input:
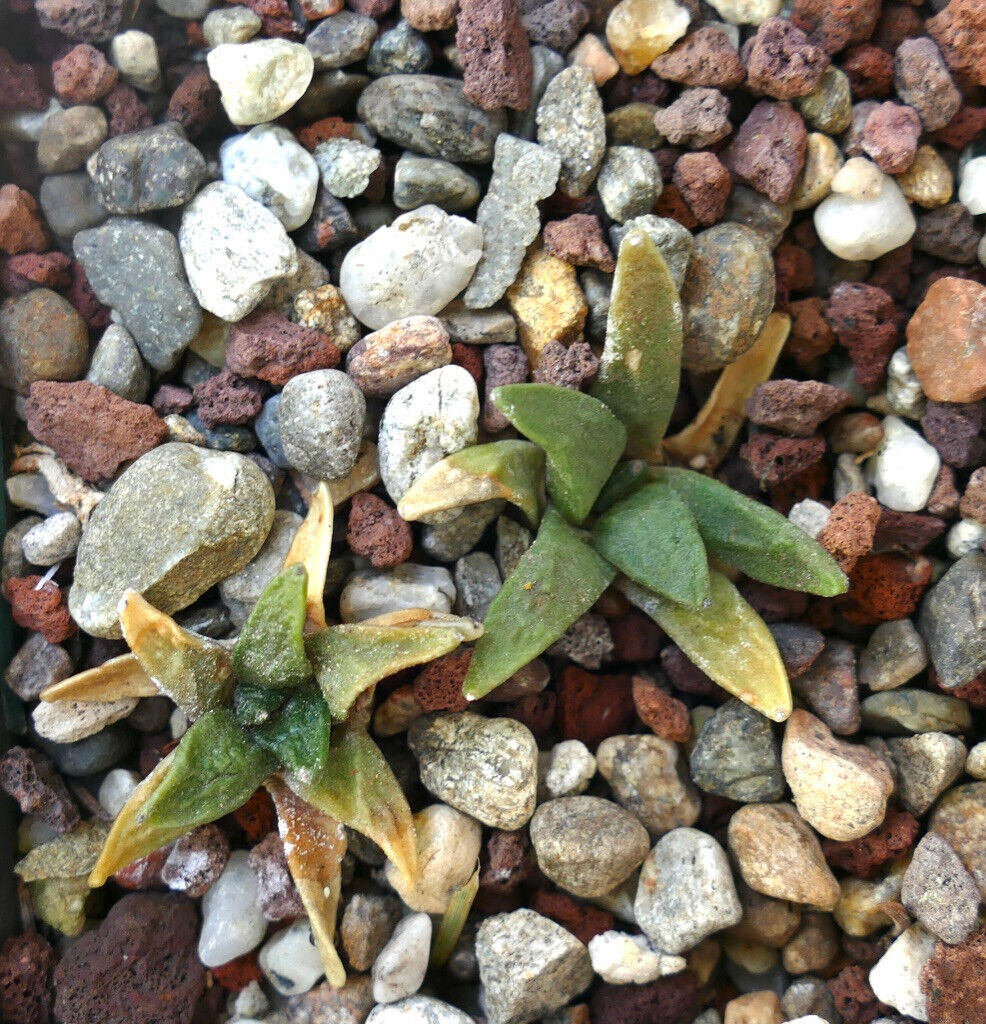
{"points": [[66, 721], [754, 1008], [591, 53], [755, 957], [960, 818], [858, 912], [813, 946], [822, 162], [398, 710], [859, 178], [765, 919], [928, 181], [639, 31]]}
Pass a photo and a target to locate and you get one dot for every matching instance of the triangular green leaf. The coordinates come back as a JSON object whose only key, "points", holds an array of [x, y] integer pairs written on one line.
{"points": [[298, 736], [727, 640], [641, 363], [255, 705], [581, 438], [651, 536], [557, 579], [270, 650], [627, 478], [755, 539]]}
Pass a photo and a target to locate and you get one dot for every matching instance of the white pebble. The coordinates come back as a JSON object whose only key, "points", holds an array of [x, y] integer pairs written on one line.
{"points": [[810, 515], [250, 1002], [401, 965], [115, 789], [746, 12], [622, 959], [53, 540], [260, 80], [291, 961], [975, 763], [230, 25], [232, 921], [134, 54], [904, 394], [346, 166], [965, 537], [571, 767], [904, 468], [373, 592], [972, 186], [896, 977], [417, 1010], [66, 721], [178, 723]]}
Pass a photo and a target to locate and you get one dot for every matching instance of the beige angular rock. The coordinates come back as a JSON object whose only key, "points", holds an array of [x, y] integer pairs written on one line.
{"points": [[66, 721], [960, 817]]}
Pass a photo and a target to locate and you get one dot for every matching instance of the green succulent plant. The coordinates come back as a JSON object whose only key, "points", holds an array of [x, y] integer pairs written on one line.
{"points": [[648, 527]]}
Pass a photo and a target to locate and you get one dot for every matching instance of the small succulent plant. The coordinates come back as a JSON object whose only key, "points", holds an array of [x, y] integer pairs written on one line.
{"points": [[645, 525]]}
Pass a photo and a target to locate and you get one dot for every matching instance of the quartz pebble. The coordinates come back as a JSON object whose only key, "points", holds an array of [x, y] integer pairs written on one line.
{"points": [[904, 468], [569, 769], [258, 81], [400, 967], [622, 959], [346, 166], [896, 977], [53, 540], [232, 921], [290, 960], [115, 790]]}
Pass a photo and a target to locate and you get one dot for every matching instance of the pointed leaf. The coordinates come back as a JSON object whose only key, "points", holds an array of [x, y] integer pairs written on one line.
{"points": [[216, 767], [351, 658], [314, 844], [113, 680], [194, 671], [298, 736], [311, 547], [270, 650], [358, 787], [511, 470], [641, 362], [652, 538], [755, 539], [254, 705], [727, 640], [581, 438], [627, 478], [454, 920], [557, 579]]}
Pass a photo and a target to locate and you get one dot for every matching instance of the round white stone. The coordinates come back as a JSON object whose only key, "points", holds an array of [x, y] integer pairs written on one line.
{"points": [[291, 961], [972, 186], [810, 515], [273, 168], [975, 763], [115, 789], [52, 540], [904, 468], [417, 264], [260, 80], [232, 921], [865, 228], [570, 769], [401, 965], [622, 959], [417, 1010], [965, 537]]}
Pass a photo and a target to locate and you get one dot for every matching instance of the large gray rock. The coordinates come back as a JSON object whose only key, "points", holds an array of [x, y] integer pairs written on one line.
{"points": [[953, 621], [174, 524], [136, 268], [528, 966], [938, 890]]}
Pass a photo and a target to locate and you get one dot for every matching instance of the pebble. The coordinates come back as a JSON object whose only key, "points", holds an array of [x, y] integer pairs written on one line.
{"points": [[366, 925], [972, 186], [234, 248], [965, 538], [894, 655], [477, 582], [372, 592], [902, 711], [321, 417], [290, 960], [686, 891], [346, 166], [928, 181], [417, 1010], [399, 50], [622, 959], [93, 754], [41, 338], [415, 265], [69, 203], [230, 25], [174, 524], [260, 80], [528, 966], [523, 174], [53, 540], [896, 977], [484, 767], [904, 468], [271, 167], [196, 861], [746, 12], [431, 417], [778, 855], [30, 779], [587, 845], [975, 764], [68, 138], [117, 365], [421, 180], [960, 818], [240, 590], [447, 542], [430, 115], [927, 764], [115, 789], [939, 892], [629, 181], [569, 768], [400, 967], [134, 54], [675, 242], [649, 778], [37, 665], [951, 621], [341, 39], [232, 921], [571, 123], [639, 31]]}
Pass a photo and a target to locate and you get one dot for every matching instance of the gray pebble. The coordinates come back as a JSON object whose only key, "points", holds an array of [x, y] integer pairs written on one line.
{"points": [[372, 592], [330, 92], [151, 714], [69, 204], [346, 166], [241, 590], [268, 429], [53, 540], [675, 241], [93, 754], [808, 995], [37, 665], [894, 654], [629, 182], [419, 180], [598, 288], [224, 437], [511, 541], [477, 582], [750, 208], [898, 712], [341, 39], [952, 621], [547, 63], [400, 50], [14, 563], [117, 365], [69, 137], [927, 764], [479, 326], [939, 892], [571, 122], [447, 542]]}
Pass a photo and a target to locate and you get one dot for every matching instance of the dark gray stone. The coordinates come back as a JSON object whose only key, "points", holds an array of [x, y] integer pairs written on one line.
{"points": [[952, 622]]}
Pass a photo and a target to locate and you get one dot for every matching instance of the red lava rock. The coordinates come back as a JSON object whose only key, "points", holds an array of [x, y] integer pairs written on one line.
{"points": [[19, 274], [327, 128], [963, 128], [809, 483], [908, 532], [851, 527], [705, 184], [794, 267], [29, 778], [26, 966], [439, 686], [960, 32], [783, 62], [897, 23], [377, 532], [271, 347], [143, 873], [671, 204], [592, 707], [944, 497], [195, 102], [953, 981], [469, 357], [83, 75], [257, 817], [139, 967], [238, 973], [811, 334], [799, 645], [169, 399], [579, 240], [643, 88], [196, 860], [884, 587], [866, 322], [83, 298], [503, 364], [870, 71], [636, 637], [279, 898], [557, 23], [227, 398], [127, 112], [21, 229], [891, 137], [774, 604], [768, 152], [19, 85], [45, 610], [704, 57], [573, 367], [687, 676], [509, 861], [866, 856], [93, 430], [276, 17], [773, 459], [973, 503], [581, 919], [834, 24], [795, 407], [854, 999], [497, 69], [663, 714], [672, 1000], [535, 710], [922, 79], [698, 117]]}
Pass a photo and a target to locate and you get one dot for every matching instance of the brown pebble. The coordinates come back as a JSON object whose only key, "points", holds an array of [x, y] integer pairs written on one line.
{"points": [[497, 69], [579, 240], [573, 367], [891, 137], [907, 532], [698, 118], [26, 965], [503, 364], [30, 779], [663, 714], [704, 57], [279, 898], [386, 360], [922, 79], [944, 497], [768, 152], [854, 999], [773, 459], [799, 644], [439, 686], [169, 400], [83, 75], [269, 346], [376, 531], [796, 407], [20, 88], [21, 229], [44, 610], [783, 62], [870, 71], [851, 528], [835, 24], [705, 184]]}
